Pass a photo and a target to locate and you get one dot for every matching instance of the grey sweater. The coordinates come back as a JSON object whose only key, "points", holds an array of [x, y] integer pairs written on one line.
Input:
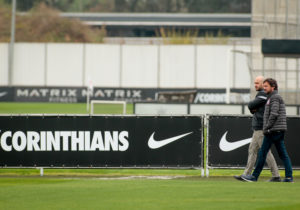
{"points": [[275, 114]]}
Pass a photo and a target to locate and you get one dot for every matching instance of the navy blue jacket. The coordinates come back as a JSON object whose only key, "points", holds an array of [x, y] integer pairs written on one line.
{"points": [[257, 108]]}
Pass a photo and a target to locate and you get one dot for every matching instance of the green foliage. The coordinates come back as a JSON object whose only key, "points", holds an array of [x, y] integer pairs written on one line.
{"points": [[211, 39], [218, 6], [4, 24], [2, 3], [191, 37], [182, 6], [178, 37]]}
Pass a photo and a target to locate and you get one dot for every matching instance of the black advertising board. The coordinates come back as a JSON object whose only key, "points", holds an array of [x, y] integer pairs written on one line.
{"points": [[6, 94], [280, 47], [78, 94], [101, 141], [229, 138]]}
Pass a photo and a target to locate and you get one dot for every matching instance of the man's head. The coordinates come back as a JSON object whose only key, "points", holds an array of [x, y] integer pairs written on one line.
{"points": [[258, 83], [270, 85]]}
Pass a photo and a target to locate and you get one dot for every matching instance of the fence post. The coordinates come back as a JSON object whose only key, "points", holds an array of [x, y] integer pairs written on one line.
{"points": [[158, 66], [41, 171], [206, 120], [83, 64], [46, 64], [195, 66], [121, 65]]}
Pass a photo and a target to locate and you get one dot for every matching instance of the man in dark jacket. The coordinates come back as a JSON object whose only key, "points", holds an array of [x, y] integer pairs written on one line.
{"points": [[257, 108], [274, 127]]}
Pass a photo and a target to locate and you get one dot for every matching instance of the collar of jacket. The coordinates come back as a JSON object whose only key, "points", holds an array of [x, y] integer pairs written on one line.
{"points": [[261, 90], [273, 93]]}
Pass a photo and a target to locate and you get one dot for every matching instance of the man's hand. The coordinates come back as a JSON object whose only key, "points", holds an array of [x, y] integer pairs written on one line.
{"points": [[253, 111], [267, 132]]}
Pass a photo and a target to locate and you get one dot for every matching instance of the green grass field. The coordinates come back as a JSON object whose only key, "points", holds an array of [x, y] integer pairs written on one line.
{"points": [[135, 188], [60, 108], [143, 193]]}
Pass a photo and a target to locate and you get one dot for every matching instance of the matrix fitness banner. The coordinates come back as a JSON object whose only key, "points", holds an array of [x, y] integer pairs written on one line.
{"points": [[229, 138], [79, 94], [101, 141]]}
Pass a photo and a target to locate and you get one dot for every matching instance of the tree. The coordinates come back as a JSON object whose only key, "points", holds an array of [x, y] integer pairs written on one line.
{"points": [[43, 24], [25, 5], [121, 6], [177, 6]]}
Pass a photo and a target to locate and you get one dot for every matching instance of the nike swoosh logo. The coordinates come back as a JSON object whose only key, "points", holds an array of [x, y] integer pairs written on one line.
{"points": [[3, 94], [229, 146], [154, 144]]}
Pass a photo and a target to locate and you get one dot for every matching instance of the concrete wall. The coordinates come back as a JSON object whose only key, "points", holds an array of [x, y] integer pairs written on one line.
{"points": [[276, 19], [102, 65], [29, 65], [153, 66]]}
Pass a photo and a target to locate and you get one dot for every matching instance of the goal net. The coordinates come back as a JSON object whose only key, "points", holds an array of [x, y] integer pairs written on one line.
{"points": [[108, 107]]}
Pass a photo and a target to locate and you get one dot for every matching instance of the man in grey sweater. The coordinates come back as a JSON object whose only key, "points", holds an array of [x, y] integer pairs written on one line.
{"points": [[274, 128], [257, 108]]}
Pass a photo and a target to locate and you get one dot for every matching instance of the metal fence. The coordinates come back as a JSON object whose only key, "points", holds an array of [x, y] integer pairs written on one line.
{"points": [[180, 108], [95, 141], [109, 65], [133, 141], [223, 130]]}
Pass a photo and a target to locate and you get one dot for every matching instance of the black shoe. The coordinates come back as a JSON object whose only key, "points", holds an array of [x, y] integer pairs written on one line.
{"points": [[288, 179], [275, 179], [249, 178], [238, 178]]}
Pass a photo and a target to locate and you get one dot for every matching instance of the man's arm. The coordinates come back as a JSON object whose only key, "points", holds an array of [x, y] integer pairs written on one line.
{"points": [[274, 112], [259, 101]]}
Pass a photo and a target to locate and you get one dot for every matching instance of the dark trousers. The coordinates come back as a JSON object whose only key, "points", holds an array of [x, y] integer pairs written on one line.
{"points": [[275, 138]]}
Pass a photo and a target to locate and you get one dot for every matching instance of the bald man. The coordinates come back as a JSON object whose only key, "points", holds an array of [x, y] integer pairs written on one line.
{"points": [[257, 108]]}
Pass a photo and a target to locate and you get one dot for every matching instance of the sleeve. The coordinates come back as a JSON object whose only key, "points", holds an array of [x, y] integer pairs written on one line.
{"points": [[274, 112], [259, 101]]}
